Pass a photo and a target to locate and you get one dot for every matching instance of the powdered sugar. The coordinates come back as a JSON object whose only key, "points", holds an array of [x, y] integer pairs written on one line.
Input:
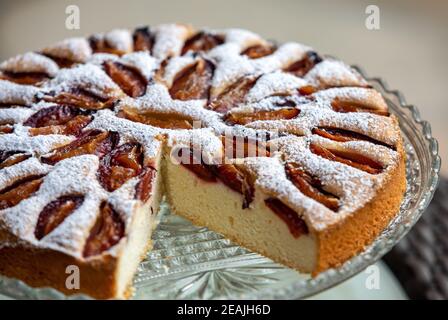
{"points": [[364, 96], [141, 61], [99, 58], [272, 89], [332, 73], [34, 145], [242, 38], [285, 55], [128, 130], [16, 94], [15, 115], [311, 116], [169, 40], [157, 98], [30, 62], [31, 166], [87, 76], [274, 83], [176, 65], [230, 66], [119, 39], [73, 49]]}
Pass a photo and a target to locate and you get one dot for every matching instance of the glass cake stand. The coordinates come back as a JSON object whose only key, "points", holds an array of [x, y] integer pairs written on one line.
{"points": [[190, 262]]}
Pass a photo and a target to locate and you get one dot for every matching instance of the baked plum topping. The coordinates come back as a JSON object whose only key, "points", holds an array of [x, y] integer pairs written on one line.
{"points": [[90, 142], [144, 187], [193, 82], [259, 51], [26, 78], [12, 157], [202, 41], [71, 127], [123, 163], [232, 95], [307, 90], [108, 230], [349, 158], [128, 79], [301, 67], [143, 39], [342, 135], [120, 165], [100, 44], [54, 213], [192, 162], [6, 128], [58, 120], [311, 186], [158, 119], [237, 147], [19, 190], [296, 225], [80, 98], [61, 62], [12, 106], [5, 154], [242, 118], [51, 116], [350, 106]]}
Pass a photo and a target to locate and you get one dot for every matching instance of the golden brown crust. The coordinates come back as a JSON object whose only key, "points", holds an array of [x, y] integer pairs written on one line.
{"points": [[44, 268], [340, 242]]}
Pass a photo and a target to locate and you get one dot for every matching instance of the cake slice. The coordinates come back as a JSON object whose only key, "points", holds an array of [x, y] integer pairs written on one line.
{"points": [[100, 220]]}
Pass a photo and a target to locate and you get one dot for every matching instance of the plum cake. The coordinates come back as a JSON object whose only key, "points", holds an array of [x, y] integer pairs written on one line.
{"points": [[284, 151]]}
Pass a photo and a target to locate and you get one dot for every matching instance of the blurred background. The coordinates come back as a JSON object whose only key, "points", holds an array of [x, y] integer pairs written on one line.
{"points": [[409, 51]]}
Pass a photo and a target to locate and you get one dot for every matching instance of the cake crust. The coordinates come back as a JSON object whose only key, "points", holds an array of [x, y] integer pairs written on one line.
{"points": [[43, 268], [344, 240]]}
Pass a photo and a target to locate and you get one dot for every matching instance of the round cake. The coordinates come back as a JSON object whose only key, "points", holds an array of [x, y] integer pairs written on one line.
{"points": [[284, 151]]}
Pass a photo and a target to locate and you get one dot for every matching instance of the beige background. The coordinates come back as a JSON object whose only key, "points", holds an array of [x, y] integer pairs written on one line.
{"points": [[409, 51]]}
